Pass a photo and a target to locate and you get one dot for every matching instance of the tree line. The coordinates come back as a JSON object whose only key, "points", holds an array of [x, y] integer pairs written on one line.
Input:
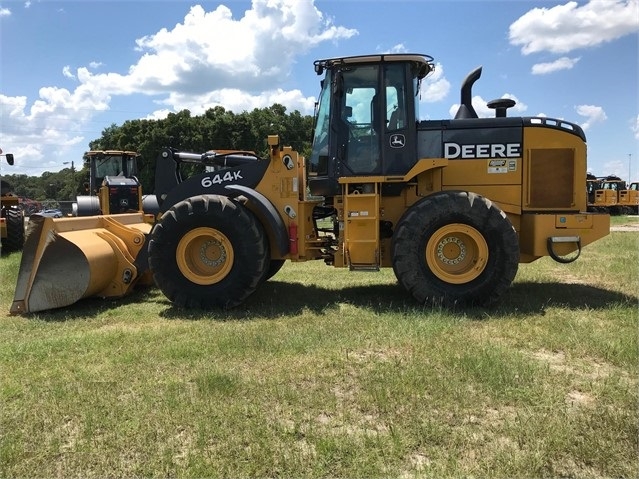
{"points": [[217, 128]]}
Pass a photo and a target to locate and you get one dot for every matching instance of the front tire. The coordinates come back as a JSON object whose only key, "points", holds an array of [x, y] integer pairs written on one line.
{"points": [[15, 231], [455, 248], [273, 268], [208, 251]]}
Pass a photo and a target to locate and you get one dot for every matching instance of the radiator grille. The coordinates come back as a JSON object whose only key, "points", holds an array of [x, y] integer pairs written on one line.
{"points": [[551, 178]]}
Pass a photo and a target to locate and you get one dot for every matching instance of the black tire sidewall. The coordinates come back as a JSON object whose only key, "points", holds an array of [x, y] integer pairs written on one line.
{"points": [[274, 266], [15, 231], [237, 223], [427, 216]]}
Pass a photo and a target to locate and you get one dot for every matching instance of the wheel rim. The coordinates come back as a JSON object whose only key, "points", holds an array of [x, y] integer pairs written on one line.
{"points": [[457, 253], [204, 256]]}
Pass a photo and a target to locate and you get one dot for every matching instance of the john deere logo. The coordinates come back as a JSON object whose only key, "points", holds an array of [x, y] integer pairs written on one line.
{"points": [[494, 150], [397, 141]]}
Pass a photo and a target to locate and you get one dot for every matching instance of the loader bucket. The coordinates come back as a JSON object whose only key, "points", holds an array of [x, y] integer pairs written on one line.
{"points": [[67, 259]]}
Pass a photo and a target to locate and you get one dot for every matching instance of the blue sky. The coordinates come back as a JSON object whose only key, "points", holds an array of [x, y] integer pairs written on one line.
{"points": [[69, 69]]}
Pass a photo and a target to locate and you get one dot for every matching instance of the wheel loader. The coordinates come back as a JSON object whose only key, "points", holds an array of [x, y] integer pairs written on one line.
{"points": [[452, 206], [593, 184], [113, 185], [11, 216], [629, 199], [615, 197]]}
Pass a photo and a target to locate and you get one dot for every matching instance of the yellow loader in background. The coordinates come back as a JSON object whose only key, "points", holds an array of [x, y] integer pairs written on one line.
{"points": [[113, 185], [629, 199], [11, 215], [615, 197], [453, 206]]}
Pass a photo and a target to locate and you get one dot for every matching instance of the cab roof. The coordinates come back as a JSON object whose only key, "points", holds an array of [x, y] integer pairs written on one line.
{"points": [[111, 153], [423, 63]]}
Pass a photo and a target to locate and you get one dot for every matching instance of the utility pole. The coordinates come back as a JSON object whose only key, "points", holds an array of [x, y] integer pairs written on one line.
{"points": [[629, 163]]}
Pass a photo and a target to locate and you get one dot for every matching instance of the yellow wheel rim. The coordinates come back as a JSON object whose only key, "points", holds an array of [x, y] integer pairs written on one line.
{"points": [[457, 253], [204, 256]]}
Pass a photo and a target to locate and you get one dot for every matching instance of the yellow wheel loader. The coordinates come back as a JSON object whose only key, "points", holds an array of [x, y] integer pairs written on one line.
{"points": [[614, 197], [11, 216], [113, 185], [453, 206], [629, 199], [593, 184]]}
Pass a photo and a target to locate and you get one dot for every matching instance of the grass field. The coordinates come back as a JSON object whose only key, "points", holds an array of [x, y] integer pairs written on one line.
{"points": [[326, 373]]}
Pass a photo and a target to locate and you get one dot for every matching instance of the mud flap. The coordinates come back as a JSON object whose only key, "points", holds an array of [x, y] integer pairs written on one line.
{"points": [[67, 259]]}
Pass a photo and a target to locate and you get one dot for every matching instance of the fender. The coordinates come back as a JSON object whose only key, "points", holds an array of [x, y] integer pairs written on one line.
{"points": [[170, 188], [271, 219]]}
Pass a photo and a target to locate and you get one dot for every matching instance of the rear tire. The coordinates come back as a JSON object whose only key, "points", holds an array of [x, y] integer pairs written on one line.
{"points": [[208, 251], [455, 248], [15, 231]]}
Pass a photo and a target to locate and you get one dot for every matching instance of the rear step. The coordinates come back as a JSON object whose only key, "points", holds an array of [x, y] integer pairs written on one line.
{"points": [[67, 259], [361, 227], [363, 267]]}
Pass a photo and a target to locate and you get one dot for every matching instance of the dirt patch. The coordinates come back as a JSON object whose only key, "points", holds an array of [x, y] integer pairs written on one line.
{"points": [[625, 228], [579, 398], [630, 224], [583, 369]]}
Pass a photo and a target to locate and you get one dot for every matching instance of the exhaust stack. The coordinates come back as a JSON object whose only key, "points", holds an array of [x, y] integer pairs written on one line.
{"points": [[466, 109], [68, 259]]}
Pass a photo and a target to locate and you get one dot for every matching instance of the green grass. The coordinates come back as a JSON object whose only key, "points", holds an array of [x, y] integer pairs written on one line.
{"points": [[329, 373]]}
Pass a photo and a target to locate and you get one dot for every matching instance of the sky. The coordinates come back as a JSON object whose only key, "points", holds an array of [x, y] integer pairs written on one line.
{"points": [[70, 69]]}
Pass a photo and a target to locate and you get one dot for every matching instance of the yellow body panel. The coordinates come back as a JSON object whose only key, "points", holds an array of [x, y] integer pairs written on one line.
{"points": [[550, 159], [605, 198], [284, 185], [361, 227], [537, 228], [629, 198]]}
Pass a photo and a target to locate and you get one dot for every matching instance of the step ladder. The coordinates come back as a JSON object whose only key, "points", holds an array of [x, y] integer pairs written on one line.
{"points": [[361, 228]]}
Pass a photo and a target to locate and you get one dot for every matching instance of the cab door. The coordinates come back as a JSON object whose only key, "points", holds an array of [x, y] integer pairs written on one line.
{"points": [[399, 150]]}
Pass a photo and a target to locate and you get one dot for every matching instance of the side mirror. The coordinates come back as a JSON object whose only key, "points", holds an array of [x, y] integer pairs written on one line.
{"points": [[9, 158]]}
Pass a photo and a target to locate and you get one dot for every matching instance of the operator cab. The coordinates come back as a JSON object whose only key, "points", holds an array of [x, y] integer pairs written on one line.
{"points": [[365, 119], [110, 163], [113, 181]]}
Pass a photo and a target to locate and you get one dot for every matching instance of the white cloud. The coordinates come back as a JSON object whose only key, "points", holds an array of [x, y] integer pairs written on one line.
{"points": [[593, 114], [237, 100], [66, 71], [435, 87], [563, 63], [210, 58], [399, 48], [564, 28], [158, 114], [5, 12], [635, 127], [212, 50], [615, 167]]}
